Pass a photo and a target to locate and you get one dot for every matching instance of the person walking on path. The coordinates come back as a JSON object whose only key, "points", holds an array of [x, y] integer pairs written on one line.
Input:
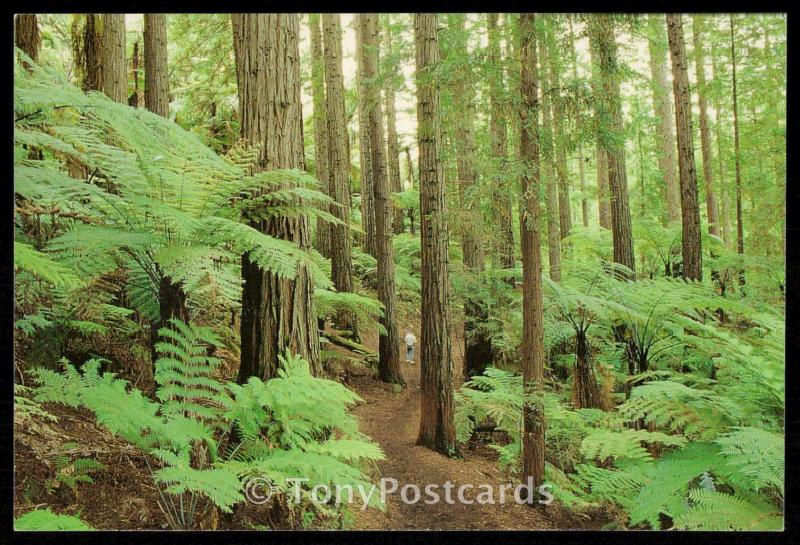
{"points": [[411, 340]]}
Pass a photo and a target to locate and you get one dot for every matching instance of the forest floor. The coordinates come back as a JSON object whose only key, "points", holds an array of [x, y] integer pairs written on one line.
{"points": [[391, 418], [123, 496]]}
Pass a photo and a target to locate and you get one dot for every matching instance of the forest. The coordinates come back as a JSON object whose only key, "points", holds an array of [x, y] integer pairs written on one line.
{"points": [[231, 229]]}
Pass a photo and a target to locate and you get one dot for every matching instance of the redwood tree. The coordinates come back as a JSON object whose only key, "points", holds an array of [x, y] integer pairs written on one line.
{"points": [[322, 241], [389, 341], [608, 106], [690, 210], [156, 76], [115, 75], [26, 35], [499, 144], [533, 422], [338, 164], [477, 345], [705, 133], [662, 104], [365, 154], [278, 313], [437, 425]]}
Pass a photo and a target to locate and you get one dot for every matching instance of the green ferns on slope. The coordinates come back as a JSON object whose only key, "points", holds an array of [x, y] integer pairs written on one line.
{"points": [[696, 441], [294, 426]]}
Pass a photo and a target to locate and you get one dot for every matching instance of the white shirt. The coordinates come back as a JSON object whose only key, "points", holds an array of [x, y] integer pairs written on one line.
{"points": [[410, 339]]}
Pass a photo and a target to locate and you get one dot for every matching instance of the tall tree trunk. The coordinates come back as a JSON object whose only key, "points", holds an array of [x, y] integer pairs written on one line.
{"points": [[392, 146], [388, 343], [338, 164], [156, 75], [533, 422], [581, 160], [411, 184], [736, 152], [601, 162], [278, 314], [559, 139], [115, 75], [133, 100], [662, 104], [499, 147], [690, 209], [609, 110], [551, 202], [723, 186], [26, 35], [87, 49], [437, 417], [705, 135], [367, 204], [322, 241], [477, 346], [171, 296]]}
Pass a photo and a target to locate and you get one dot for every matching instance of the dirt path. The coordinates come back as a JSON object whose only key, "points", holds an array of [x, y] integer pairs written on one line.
{"points": [[392, 419]]}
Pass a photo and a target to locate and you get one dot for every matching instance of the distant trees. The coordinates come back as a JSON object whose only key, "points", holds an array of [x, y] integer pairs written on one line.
{"points": [[705, 134], [389, 342], [662, 104], [608, 107], [322, 241], [437, 426], [690, 210], [337, 164]]}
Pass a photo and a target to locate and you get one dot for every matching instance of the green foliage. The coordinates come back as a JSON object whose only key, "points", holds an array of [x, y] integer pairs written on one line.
{"points": [[293, 426], [44, 520]]}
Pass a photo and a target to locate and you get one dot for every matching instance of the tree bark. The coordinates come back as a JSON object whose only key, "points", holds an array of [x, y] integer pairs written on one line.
{"points": [[367, 204], [662, 104], [705, 135], [559, 139], [690, 209], [533, 422], [88, 52], [26, 35], [322, 241], [156, 74], [411, 184], [549, 178], [115, 75], [392, 146], [608, 107], [338, 164], [437, 425], [388, 342], [133, 100], [278, 314], [499, 147]]}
